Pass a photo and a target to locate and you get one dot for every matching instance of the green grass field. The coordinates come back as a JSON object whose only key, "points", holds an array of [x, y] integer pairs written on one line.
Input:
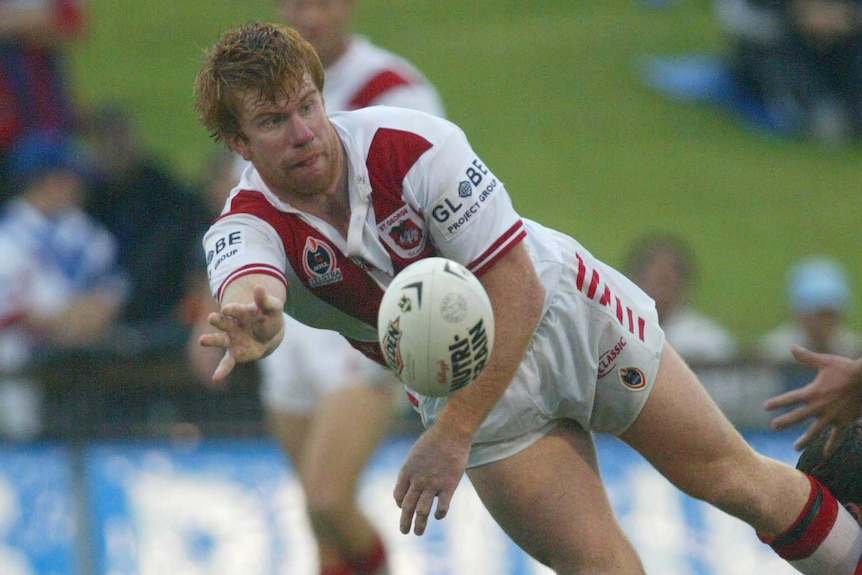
{"points": [[549, 95]]}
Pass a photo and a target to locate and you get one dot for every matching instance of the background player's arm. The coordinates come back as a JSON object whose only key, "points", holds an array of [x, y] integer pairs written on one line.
{"points": [[250, 323]]}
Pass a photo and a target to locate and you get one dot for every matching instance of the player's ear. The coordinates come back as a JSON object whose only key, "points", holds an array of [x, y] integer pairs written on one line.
{"points": [[855, 510], [238, 144]]}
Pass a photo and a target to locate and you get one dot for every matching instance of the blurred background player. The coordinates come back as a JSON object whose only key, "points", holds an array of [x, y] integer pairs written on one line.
{"points": [[315, 381], [60, 285], [34, 90], [664, 266], [818, 296], [157, 220]]}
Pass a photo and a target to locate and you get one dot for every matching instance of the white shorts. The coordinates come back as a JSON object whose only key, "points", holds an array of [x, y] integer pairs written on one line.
{"points": [[592, 359], [311, 363]]}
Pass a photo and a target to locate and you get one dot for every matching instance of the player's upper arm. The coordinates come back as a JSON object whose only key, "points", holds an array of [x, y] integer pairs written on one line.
{"points": [[242, 245]]}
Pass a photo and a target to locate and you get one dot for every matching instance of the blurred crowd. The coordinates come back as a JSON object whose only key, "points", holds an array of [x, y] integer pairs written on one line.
{"points": [[788, 67], [101, 239]]}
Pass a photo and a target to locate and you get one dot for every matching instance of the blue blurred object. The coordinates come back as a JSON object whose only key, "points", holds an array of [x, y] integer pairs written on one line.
{"points": [[817, 283], [42, 152], [706, 78]]}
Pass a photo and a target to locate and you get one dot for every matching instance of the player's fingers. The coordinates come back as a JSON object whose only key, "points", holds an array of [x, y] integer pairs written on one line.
{"points": [[214, 340], [443, 500], [803, 355], [785, 399], [400, 490], [813, 430], [222, 321], [793, 417], [408, 508], [224, 368], [423, 511], [836, 434]]}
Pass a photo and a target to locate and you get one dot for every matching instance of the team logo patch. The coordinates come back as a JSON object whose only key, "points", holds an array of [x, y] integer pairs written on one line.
{"points": [[633, 378], [404, 232], [318, 262]]}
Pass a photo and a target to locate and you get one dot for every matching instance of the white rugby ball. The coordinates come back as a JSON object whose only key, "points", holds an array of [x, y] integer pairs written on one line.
{"points": [[436, 326]]}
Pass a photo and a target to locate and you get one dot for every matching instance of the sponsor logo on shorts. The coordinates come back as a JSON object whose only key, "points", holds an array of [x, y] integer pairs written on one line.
{"points": [[633, 378], [455, 211], [318, 262], [607, 360]]}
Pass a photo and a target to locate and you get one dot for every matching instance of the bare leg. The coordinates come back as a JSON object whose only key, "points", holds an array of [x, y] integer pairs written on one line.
{"points": [[685, 436], [330, 449], [559, 513]]}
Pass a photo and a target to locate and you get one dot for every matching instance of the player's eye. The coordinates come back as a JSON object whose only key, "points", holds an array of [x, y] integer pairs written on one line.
{"points": [[271, 120]]}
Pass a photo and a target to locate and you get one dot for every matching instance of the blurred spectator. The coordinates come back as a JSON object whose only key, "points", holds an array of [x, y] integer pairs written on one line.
{"points": [[791, 67], [664, 266], [801, 60], [157, 221], [60, 286], [819, 297], [34, 89]]}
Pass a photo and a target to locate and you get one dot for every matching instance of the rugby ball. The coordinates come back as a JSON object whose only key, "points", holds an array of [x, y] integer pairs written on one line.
{"points": [[435, 326]]}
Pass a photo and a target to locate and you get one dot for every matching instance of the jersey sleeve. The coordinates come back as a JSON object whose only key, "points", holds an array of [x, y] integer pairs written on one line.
{"points": [[239, 245], [469, 213]]}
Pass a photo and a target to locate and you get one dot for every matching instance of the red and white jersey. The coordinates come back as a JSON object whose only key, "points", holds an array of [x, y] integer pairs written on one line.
{"points": [[416, 189], [368, 75]]}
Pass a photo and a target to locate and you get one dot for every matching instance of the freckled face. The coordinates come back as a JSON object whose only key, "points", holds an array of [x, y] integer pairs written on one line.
{"points": [[291, 143]]}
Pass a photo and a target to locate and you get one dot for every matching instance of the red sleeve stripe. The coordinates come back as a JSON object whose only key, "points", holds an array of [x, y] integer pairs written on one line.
{"points": [[498, 249], [376, 87], [248, 270]]}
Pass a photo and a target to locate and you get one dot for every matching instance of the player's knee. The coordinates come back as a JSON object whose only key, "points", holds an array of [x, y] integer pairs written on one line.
{"points": [[326, 504]]}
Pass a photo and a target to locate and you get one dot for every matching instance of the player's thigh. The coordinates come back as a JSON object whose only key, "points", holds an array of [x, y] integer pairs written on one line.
{"points": [[551, 501], [348, 425], [290, 429], [687, 438]]}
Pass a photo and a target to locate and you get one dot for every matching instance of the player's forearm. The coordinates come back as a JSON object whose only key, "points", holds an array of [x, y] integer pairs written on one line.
{"points": [[517, 297]]}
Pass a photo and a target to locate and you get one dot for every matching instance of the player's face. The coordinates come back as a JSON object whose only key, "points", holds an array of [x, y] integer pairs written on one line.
{"points": [[324, 23], [291, 143]]}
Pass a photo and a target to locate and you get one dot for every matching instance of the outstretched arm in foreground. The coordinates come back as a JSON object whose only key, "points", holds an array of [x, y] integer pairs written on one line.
{"points": [[250, 323], [833, 397]]}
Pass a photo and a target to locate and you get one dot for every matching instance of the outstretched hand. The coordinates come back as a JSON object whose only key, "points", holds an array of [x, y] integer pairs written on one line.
{"points": [[432, 469], [833, 397], [246, 331]]}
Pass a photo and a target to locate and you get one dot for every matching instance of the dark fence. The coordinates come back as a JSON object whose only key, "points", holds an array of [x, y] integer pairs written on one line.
{"points": [[101, 396]]}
